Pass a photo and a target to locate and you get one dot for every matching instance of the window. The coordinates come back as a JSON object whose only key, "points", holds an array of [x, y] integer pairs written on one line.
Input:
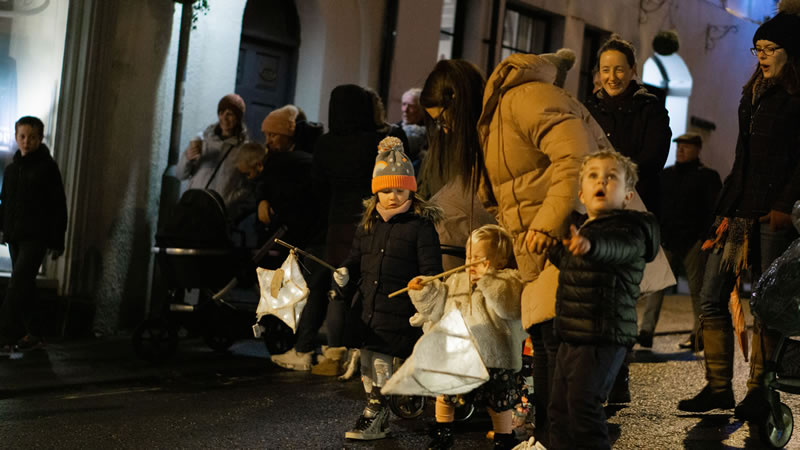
{"points": [[592, 40], [525, 31], [450, 30]]}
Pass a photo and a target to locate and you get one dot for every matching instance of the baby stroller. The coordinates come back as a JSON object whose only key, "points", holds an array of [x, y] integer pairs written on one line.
{"points": [[198, 271], [776, 303]]}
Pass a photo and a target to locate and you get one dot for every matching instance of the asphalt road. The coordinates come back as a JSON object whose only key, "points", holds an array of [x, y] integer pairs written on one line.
{"points": [[242, 401]]}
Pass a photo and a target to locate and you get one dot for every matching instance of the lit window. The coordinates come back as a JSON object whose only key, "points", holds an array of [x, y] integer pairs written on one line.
{"points": [[525, 32], [447, 35]]}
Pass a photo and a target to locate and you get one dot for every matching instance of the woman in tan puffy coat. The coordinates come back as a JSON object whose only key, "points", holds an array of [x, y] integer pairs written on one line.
{"points": [[533, 136]]}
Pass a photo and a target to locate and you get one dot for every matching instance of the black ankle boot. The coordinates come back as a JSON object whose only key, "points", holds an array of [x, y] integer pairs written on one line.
{"points": [[707, 400], [442, 436], [754, 407], [504, 441]]}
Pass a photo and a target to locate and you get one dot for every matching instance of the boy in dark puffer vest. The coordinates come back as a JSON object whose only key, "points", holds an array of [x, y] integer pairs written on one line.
{"points": [[395, 241], [601, 266]]}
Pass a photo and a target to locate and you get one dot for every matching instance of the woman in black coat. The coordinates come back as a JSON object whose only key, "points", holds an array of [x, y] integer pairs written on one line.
{"points": [[753, 224], [635, 121]]}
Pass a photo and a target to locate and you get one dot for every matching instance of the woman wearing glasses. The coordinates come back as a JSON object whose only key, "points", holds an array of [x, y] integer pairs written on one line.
{"points": [[753, 224]]}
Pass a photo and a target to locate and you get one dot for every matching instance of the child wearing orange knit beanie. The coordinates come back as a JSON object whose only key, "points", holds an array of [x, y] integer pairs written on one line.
{"points": [[395, 241]]}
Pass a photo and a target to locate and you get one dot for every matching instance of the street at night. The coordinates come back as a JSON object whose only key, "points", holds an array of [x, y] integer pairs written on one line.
{"points": [[96, 394]]}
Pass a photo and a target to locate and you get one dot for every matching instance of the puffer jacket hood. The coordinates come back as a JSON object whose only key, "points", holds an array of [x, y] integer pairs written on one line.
{"points": [[514, 71]]}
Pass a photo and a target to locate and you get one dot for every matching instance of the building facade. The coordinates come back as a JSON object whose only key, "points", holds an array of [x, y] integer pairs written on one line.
{"points": [[112, 88]]}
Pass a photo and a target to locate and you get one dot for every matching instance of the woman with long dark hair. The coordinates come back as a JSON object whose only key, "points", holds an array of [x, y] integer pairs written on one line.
{"points": [[454, 161], [523, 159]]}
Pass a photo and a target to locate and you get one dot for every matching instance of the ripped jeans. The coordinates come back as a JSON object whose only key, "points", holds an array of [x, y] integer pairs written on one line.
{"points": [[376, 368]]}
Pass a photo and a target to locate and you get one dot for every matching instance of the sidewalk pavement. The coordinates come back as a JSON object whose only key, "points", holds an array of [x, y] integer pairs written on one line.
{"points": [[74, 363]]}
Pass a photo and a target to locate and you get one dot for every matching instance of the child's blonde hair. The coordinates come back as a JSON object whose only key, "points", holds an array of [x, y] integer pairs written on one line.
{"points": [[629, 168], [250, 154], [500, 241]]}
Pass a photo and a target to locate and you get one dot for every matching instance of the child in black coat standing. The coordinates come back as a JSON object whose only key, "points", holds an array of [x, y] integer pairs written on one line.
{"points": [[395, 241], [33, 214], [601, 266]]}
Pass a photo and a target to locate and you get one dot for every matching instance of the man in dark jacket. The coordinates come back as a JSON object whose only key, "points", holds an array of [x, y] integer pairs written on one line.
{"points": [[689, 191], [601, 267], [33, 214]]}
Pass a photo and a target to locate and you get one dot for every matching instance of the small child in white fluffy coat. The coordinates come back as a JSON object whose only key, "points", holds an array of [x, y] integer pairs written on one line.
{"points": [[488, 297]]}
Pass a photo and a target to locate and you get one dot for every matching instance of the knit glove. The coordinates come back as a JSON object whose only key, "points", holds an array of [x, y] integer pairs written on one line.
{"points": [[341, 276]]}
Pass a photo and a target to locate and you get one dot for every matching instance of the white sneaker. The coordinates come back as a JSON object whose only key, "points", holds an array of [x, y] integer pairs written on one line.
{"points": [[371, 425], [294, 360]]}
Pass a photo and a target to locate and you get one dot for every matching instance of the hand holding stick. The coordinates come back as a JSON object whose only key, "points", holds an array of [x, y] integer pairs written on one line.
{"points": [[441, 275], [313, 258]]}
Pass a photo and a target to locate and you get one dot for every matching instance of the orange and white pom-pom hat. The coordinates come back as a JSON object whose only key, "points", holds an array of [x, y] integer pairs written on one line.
{"points": [[393, 168]]}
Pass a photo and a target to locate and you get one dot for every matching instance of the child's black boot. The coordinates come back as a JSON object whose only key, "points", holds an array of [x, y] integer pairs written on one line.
{"points": [[504, 441], [442, 436]]}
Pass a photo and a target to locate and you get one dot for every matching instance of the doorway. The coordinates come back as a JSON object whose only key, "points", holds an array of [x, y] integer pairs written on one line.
{"points": [[671, 74], [266, 72]]}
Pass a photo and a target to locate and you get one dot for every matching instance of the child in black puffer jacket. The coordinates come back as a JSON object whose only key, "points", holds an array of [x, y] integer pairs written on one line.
{"points": [[395, 241], [33, 219], [601, 266]]}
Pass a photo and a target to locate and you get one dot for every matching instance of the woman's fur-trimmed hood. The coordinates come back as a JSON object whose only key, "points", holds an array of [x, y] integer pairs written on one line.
{"points": [[421, 208]]}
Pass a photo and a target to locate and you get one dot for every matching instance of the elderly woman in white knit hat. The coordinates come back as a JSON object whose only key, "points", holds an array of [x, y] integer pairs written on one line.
{"points": [[753, 224]]}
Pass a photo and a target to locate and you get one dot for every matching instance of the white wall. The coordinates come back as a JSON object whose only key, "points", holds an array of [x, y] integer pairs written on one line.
{"points": [[213, 59], [339, 44], [415, 51]]}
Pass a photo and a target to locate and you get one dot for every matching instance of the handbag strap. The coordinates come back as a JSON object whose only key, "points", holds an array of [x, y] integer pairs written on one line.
{"points": [[216, 169]]}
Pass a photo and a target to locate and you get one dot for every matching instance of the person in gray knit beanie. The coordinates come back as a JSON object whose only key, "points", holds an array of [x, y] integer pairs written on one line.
{"points": [[393, 168]]}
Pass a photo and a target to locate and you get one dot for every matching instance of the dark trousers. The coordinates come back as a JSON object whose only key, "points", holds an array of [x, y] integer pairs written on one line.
{"points": [[19, 314], [545, 348], [718, 282], [319, 282], [581, 383]]}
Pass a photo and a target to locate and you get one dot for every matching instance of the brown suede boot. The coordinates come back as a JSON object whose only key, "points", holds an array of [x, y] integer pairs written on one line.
{"points": [[755, 405], [332, 363], [718, 392]]}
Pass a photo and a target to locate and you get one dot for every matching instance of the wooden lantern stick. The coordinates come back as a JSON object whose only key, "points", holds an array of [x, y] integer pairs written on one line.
{"points": [[441, 275]]}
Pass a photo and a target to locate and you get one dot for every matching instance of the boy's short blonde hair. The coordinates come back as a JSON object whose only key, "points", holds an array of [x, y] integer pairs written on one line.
{"points": [[629, 168], [250, 154], [500, 241]]}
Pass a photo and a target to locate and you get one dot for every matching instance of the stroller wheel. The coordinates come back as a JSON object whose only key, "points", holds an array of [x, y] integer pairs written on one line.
{"points": [[776, 436], [464, 412], [407, 406], [218, 343], [155, 340], [278, 337]]}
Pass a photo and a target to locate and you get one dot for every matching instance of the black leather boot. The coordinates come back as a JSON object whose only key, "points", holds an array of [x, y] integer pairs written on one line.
{"points": [[755, 405], [718, 391]]}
